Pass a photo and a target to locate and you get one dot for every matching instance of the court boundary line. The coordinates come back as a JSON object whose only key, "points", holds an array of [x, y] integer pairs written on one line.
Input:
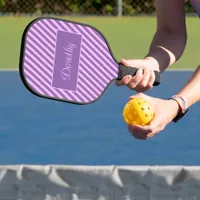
{"points": [[180, 69]]}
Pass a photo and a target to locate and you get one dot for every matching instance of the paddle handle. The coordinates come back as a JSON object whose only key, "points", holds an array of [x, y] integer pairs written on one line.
{"points": [[123, 71]]}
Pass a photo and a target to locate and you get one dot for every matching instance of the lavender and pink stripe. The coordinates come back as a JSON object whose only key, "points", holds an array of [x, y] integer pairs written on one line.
{"points": [[67, 61]]}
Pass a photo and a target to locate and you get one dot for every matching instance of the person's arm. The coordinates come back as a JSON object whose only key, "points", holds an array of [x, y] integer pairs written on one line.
{"points": [[191, 91], [166, 48], [170, 38], [167, 110]]}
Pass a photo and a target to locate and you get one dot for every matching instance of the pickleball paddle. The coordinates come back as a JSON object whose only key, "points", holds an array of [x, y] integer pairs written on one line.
{"points": [[68, 61]]}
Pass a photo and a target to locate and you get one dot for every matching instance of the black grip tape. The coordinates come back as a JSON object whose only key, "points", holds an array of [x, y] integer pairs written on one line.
{"points": [[123, 71]]}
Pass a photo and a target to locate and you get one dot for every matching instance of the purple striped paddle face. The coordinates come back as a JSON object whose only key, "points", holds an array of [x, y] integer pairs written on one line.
{"points": [[66, 61]]}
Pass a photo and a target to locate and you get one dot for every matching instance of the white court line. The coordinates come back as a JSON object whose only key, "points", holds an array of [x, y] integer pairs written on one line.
{"points": [[180, 69], [8, 70]]}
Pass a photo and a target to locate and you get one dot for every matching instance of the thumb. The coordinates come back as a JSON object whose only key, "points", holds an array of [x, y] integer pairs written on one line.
{"points": [[138, 95], [152, 100], [132, 63]]}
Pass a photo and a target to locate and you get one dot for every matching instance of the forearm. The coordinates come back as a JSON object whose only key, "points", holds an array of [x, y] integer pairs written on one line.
{"points": [[191, 91], [166, 48]]}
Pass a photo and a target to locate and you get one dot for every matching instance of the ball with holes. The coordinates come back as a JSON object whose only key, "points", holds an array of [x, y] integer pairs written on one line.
{"points": [[138, 111]]}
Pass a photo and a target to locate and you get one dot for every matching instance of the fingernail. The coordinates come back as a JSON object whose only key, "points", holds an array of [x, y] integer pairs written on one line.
{"points": [[129, 77], [140, 71], [150, 136], [131, 97], [123, 60]]}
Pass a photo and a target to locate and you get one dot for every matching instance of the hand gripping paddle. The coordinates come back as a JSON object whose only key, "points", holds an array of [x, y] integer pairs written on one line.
{"points": [[68, 61]]}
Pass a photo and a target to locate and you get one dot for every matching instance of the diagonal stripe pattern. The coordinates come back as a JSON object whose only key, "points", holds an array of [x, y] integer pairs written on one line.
{"points": [[96, 65]]}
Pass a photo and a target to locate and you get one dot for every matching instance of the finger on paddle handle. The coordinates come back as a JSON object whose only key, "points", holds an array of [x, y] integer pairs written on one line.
{"points": [[124, 71]]}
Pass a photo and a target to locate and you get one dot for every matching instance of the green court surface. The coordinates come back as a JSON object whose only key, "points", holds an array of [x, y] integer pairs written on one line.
{"points": [[129, 37]]}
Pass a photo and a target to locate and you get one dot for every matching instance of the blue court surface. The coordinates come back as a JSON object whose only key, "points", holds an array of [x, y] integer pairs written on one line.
{"points": [[41, 131]]}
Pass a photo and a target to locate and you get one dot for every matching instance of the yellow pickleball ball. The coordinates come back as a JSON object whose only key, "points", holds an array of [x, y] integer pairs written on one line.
{"points": [[138, 111]]}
